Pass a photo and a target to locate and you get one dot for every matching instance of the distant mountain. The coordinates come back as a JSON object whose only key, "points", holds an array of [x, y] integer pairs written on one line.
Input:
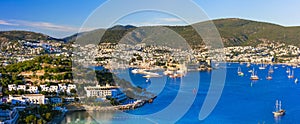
{"points": [[233, 32], [6, 36]]}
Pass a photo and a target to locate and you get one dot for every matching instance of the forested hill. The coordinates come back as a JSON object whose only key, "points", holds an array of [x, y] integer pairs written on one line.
{"points": [[233, 31]]}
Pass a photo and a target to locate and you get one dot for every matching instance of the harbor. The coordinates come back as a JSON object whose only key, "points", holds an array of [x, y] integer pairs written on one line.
{"points": [[256, 97]]}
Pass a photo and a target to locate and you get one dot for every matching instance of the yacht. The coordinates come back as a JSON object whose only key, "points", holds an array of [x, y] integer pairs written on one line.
{"points": [[269, 77], [248, 64], [240, 73], [134, 71], [288, 70], [271, 69], [254, 76], [279, 111], [291, 75], [262, 67]]}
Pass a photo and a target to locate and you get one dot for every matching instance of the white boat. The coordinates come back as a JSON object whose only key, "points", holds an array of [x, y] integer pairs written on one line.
{"points": [[240, 73], [262, 67], [167, 72], [254, 76], [288, 70], [269, 77], [271, 69], [296, 80], [134, 71], [278, 110], [291, 75], [248, 64]]}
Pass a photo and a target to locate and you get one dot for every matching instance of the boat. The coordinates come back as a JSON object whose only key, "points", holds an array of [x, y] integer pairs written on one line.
{"points": [[240, 73], [250, 71], [271, 69], [134, 71], [248, 64], [288, 70], [296, 80], [254, 76], [262, 67], [291, 75], [269, 77], [167, 72], [278, 110], [275, 67]]}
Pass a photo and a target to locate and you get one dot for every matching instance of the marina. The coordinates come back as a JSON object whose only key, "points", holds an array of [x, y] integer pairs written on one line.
{"points": [[255, 98]]}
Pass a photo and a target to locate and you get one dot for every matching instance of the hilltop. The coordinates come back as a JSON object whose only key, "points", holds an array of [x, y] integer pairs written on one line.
{"points": [[12, 36], [234, 32]]}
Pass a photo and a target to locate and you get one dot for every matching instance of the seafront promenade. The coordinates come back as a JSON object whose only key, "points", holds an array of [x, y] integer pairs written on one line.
{"points": [[85, 107]]}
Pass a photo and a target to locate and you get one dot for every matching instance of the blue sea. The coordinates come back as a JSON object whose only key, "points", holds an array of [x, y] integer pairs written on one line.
{"points": [[241, 101]]}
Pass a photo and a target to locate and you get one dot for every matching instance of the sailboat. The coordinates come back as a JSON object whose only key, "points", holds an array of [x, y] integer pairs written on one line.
{"points": [[291, 75], [278, 110], [288, 70], [240, 73], [262, 67], [248, 64], [271, 69], [254, 76], [269, 77]]}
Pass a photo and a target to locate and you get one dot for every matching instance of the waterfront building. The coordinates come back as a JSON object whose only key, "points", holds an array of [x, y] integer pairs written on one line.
{"points": [[104, 91], [27, 98]]}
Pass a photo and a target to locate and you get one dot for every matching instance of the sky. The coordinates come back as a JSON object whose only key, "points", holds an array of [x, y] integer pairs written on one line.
{"points": [[61, 18]]}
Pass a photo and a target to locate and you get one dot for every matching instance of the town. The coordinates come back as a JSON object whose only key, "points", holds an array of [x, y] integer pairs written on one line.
{"points": [[37, 74]]}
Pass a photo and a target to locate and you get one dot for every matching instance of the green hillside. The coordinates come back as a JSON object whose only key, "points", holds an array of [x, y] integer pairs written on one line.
{"points": [[233, 32]]}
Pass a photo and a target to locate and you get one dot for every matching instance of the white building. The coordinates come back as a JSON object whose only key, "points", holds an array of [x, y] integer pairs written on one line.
{"points": [[12, 87], [21, 87], [62, 87], [53, 88], [33, 89], [71, 86], [27, 98], [104, 91]]}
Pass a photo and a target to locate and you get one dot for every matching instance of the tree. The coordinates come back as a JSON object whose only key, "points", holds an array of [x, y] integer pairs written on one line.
{"points": [[30, 119], [20, 92], [73, 91], [48, 116]]}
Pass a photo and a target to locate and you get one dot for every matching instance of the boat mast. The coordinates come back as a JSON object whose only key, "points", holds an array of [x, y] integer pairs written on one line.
{"points": [[279, 105], [276, 105]]}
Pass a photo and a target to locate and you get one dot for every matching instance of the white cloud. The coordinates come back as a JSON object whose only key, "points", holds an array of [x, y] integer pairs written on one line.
{"points": [[3, 22], [47, 26], [44, 25], [170, 19]]}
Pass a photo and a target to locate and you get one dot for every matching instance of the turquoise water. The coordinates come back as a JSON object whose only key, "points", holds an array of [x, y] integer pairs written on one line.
{"points": [[242, 100]]}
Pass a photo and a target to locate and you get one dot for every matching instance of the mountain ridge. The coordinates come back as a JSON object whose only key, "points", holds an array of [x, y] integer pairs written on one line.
{"points": [[233, 31]]}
